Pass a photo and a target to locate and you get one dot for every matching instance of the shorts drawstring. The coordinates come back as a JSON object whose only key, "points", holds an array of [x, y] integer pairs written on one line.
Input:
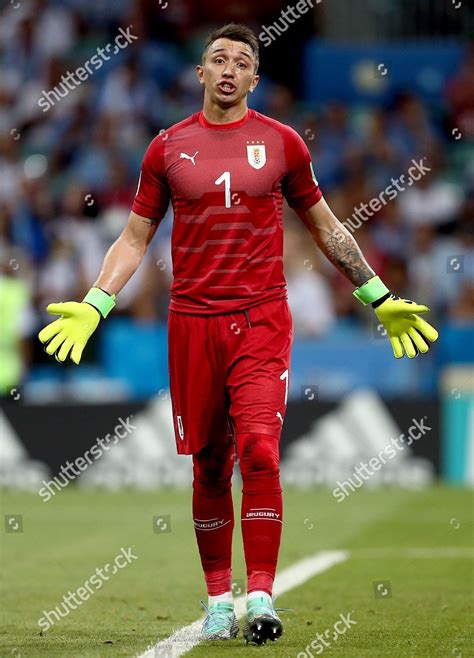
{"points": [[248, 318]]}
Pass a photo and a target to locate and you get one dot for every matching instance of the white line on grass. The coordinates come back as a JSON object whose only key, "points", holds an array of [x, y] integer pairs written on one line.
{"points": [[184, 639]]}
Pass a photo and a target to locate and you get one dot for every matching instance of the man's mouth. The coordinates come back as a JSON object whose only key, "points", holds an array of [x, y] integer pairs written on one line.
{"points": [[227, 87]]}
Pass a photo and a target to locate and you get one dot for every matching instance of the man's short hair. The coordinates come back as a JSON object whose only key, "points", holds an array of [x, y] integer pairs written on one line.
{"points": [[236, 32]]}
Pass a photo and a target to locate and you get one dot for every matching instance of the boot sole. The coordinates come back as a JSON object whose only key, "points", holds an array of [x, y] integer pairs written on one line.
{"points": [[262, 629]]}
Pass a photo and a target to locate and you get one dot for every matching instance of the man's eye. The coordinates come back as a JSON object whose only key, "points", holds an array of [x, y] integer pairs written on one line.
{"points": [[242, 65]]}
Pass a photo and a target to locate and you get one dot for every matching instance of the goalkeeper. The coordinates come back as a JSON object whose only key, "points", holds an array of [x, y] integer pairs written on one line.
{"points": [[226, 170]]}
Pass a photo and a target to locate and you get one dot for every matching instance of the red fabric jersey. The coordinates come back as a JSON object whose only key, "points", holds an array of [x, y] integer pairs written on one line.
{"points": [[226, 183]]}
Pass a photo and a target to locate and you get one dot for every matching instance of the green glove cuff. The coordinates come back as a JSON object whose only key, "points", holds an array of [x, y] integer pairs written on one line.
{"points": [[100, 300], [371, 290]]}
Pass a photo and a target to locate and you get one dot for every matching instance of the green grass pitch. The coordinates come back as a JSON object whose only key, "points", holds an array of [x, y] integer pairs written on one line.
{"points": [[428, 612]]}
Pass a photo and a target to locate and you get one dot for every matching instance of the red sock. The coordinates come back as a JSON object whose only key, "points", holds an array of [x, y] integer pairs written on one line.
{"points": [[262, 507], [213, 514]]}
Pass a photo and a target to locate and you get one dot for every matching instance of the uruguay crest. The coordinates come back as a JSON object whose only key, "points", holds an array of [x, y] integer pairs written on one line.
{"points": [[256, 155]]}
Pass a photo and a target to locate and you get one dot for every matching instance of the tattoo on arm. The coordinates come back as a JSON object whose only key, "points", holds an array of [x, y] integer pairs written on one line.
{"points": [[343, 251], [150, 221]]}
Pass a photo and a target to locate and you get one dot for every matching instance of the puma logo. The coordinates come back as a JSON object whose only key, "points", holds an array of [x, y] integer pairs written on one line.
{"points": [[185, 156]]}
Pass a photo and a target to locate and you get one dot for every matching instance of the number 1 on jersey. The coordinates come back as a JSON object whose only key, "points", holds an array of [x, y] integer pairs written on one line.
{"points": [[284, 377], [225, 178]]}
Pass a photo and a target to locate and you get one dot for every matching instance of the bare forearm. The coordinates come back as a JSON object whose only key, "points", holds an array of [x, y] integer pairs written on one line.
{"points": [[344, 252], [337, 243], [120, 263], [126, 253]]}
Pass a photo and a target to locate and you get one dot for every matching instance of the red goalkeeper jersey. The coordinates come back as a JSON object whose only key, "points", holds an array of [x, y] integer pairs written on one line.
{"points": [[226, 183]]}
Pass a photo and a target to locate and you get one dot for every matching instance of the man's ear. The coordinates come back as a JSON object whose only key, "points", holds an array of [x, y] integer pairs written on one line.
{"points": [[255, 81], [200, 73]]}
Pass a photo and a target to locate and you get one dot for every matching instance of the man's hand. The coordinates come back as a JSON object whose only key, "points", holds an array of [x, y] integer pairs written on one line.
{"points": [[408, 333], [76, 325], [71, 331], [78, 321]]}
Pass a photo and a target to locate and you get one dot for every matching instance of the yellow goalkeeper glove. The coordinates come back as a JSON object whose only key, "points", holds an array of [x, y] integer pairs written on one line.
{"points": [[409, 334], [78, 321]]}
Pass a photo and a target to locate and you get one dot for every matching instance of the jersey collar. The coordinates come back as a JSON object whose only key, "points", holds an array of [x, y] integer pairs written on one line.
{"points": [[223, 126]]}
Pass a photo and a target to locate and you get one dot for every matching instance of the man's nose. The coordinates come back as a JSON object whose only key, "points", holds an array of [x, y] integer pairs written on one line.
{"points": [[228, 72]]}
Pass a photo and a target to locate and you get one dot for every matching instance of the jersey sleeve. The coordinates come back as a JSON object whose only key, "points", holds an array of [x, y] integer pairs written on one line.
{"points": [[299, 185], [153, 195]]}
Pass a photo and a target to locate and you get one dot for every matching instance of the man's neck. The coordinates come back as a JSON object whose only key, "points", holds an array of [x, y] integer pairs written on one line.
{"points": [[218, 114]]}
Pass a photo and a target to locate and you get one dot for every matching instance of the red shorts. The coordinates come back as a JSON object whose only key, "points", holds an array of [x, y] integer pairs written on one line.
{"points": [[229, 373]]}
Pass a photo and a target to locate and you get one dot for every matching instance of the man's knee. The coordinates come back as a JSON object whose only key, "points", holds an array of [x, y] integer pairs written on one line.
{"points": [[258, 455], [212, 470]]}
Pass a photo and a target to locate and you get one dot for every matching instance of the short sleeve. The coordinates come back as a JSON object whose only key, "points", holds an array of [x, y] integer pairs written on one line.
{"points": [[153, 196], [299, 185]]}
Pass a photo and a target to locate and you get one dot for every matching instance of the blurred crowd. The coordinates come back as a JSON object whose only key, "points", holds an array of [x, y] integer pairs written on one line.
{"points": [[68, 175]]}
